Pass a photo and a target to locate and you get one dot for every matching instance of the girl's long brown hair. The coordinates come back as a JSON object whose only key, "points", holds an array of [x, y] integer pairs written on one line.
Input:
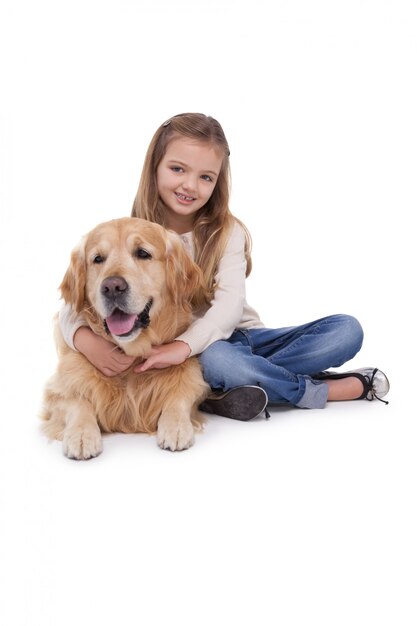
{"points": [[214, 221]]}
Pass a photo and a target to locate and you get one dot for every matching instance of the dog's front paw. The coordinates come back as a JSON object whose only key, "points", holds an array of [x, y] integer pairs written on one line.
{"points": [[175, 435], [82, 443]]}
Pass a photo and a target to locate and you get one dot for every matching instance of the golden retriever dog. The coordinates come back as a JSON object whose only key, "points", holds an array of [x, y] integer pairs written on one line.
{"points": [[133, 282]]}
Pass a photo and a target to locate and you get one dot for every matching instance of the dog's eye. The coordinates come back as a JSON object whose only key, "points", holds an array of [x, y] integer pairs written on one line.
{"points": [[98, 259], [141, 253]]}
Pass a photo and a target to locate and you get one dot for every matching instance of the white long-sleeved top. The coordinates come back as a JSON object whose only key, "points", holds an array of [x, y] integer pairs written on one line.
{"points": [[227, 311]]}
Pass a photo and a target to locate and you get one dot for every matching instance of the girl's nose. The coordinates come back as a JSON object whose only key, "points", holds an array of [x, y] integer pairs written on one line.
{"points": [[189, 184]]}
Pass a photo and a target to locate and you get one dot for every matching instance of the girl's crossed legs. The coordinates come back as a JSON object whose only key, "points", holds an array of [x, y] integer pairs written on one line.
{"points": [[284, 361]]}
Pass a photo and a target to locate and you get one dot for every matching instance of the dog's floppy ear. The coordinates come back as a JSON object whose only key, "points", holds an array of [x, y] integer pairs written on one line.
{"points": [[184, 277], [73, 284]]}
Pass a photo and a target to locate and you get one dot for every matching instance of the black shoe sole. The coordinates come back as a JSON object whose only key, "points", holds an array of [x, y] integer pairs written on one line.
{"points": [[240, 403]]}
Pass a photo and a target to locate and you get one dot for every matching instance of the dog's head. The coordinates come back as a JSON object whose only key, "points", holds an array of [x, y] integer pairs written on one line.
{"points": [[130, 275]]}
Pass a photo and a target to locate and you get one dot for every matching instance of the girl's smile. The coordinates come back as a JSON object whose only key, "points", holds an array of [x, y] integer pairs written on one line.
{"points": [[184, 199], [186, 178]]}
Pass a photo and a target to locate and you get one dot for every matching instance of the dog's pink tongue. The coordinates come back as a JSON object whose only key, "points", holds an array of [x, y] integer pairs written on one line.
{"points": [[120, 323]]}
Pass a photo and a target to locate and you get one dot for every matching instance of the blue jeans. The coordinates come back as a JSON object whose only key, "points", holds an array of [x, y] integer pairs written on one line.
{"points": [[283, 361]]}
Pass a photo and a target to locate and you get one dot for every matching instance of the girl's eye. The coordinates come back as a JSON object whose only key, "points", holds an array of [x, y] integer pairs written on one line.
{"points": [[207, 177], [141, 253], [98, 259], [177, 168]]}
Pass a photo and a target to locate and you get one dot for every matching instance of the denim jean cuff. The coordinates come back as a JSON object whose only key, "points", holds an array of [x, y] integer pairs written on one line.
{"points": [[315, 395]]}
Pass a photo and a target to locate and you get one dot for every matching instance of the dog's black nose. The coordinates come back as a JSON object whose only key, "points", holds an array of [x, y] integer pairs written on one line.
{"points": [[113, 286]]}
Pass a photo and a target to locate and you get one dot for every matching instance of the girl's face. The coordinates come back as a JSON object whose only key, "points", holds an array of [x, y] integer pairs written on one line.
{"points": [[186, 178]]}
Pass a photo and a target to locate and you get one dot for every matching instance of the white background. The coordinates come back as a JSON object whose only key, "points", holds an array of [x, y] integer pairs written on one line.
{"points": [[310, 516]]}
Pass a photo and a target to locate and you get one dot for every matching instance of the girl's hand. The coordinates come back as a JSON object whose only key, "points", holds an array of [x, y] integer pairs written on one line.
{"points": [[104, 355], [164, 356]]}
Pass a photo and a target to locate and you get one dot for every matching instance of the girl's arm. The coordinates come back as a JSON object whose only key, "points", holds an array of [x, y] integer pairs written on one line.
{"points": [[104, 355], [226, 309], [223, 316]]}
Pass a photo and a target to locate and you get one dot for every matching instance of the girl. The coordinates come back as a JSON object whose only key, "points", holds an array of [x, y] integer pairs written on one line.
{"points": [[185, 186]]}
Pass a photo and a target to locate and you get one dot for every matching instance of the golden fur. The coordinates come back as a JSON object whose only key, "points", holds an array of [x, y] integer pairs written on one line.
{"points": [[137, 262]]}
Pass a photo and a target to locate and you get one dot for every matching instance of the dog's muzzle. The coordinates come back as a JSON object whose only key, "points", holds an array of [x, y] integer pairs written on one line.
{"points": [[122, 322]]}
